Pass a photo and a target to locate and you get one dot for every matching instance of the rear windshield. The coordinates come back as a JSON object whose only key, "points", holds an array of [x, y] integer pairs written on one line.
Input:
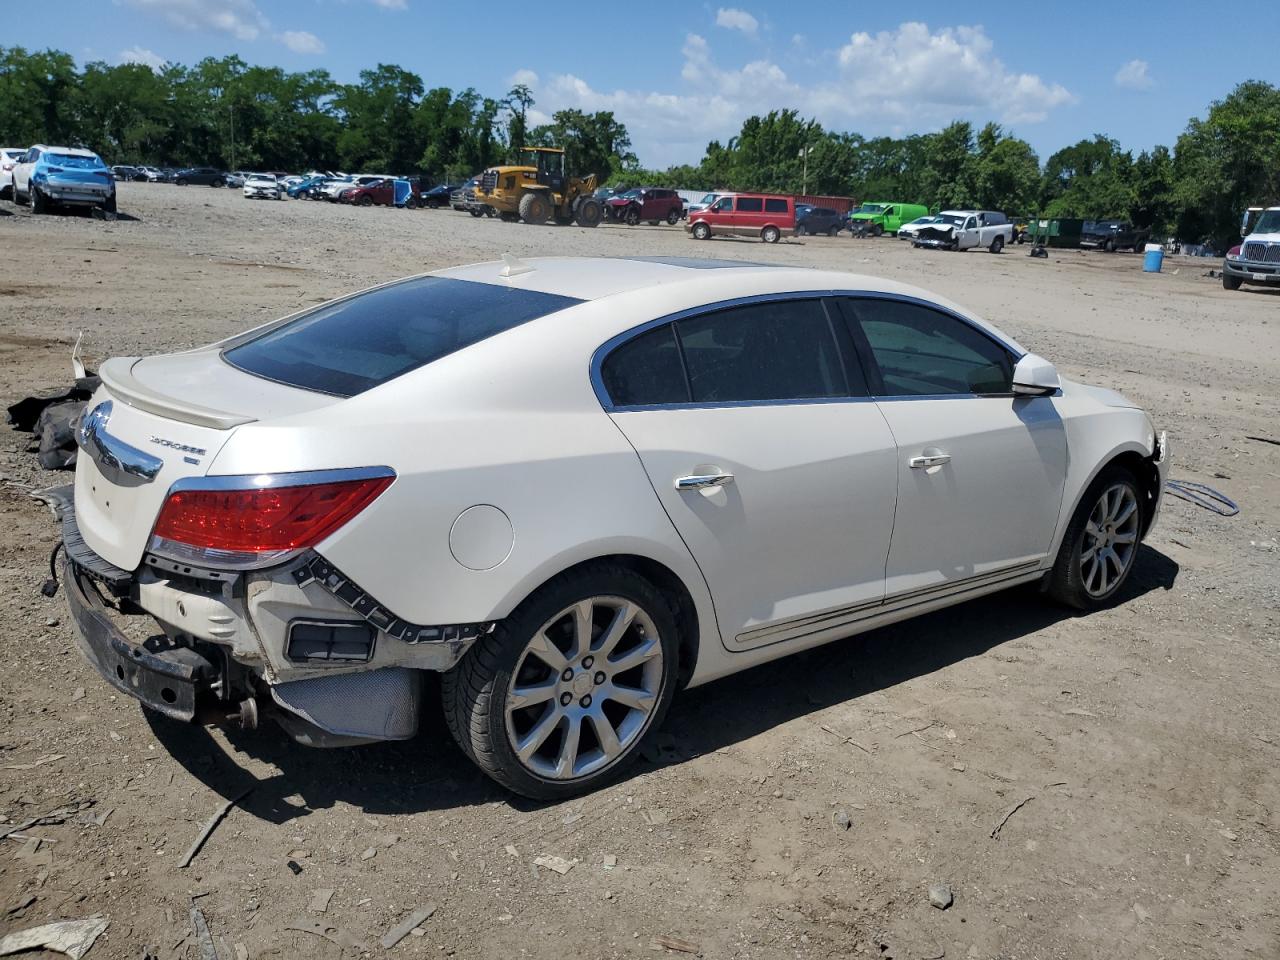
{"points": [[73, 162], [352, 346]]}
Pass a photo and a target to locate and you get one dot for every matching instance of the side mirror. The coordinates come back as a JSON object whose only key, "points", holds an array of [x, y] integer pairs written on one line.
{"points": [[1035, 376]]}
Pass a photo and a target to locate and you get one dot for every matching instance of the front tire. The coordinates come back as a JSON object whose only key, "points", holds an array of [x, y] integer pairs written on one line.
{"points": [[801, 230], [560, 698], [1101, 543], [632, 218], [36, 200], [1229, 282], [701, 231], [534, 208]]}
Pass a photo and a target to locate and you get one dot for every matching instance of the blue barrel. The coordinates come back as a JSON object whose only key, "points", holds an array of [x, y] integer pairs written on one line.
{"points": [[1152, 260]]}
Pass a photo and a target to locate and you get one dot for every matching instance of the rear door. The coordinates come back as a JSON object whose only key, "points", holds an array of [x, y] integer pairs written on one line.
{"points": [[777, 470], [748, 215], [980, 471]]}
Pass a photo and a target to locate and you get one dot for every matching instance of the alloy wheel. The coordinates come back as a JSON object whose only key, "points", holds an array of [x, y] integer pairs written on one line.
{"points": [[585, 688], [1110, 540]]}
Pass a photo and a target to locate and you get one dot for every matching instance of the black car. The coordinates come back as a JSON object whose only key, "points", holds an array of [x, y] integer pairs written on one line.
{"points": [[203, 176], [817, 220], [437, 196], [1112, 235]]}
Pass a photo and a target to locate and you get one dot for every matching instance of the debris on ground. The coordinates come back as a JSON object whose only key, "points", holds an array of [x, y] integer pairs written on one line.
{"points": [[406, 926], [559, 864], [204, 939], [610, 861], [52, 421], [676, 944], [940, 895], [51, 758], [995, 831], [512, 851], [842, 820], [320, 900], [210, 825], [329, 932], [72, 937], [369, 854]]}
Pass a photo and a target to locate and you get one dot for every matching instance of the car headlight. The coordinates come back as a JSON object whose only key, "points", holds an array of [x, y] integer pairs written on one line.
{"points": [[1233, 255]]}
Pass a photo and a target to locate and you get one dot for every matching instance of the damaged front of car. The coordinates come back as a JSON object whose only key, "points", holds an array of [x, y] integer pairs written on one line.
{"points": [[241, 555]]}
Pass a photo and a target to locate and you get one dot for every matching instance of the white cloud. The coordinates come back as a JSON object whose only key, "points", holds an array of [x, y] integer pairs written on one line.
{"points": [[391, 4], [527, 77], [1133, 76], [148, 58], [240, 18], [300, 41], [731, 18], [909, 80]]}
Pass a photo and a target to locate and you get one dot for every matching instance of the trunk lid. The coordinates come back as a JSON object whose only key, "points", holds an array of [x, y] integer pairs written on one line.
{"points": [[140, 436]]}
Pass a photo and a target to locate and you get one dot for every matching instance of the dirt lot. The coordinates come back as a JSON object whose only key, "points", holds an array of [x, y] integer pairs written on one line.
{"points": [[1143, 742]]}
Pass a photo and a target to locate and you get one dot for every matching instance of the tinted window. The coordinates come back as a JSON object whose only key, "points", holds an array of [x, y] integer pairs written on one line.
{"points": [[766, 351], [750, 204], [349, 347], [723, 204], [776, 206], [921, 351], [646, 371]]}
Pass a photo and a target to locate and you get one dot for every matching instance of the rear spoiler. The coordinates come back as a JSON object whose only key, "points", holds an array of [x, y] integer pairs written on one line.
{"points": [[117, 376]]}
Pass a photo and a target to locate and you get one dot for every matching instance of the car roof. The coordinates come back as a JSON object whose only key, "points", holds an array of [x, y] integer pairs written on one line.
{"points": [[595, 278], [69, 151]]}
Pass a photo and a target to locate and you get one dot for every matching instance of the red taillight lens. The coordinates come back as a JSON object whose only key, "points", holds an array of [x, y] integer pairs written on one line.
{"points": [[264, 520]]}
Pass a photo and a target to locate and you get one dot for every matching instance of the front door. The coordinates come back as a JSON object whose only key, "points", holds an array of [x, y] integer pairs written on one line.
{"points": [[980, 471], [774, 466]]}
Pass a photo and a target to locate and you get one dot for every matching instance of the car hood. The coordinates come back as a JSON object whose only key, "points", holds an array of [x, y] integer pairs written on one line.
{"points": [[1262, 238], [1103, 395]]}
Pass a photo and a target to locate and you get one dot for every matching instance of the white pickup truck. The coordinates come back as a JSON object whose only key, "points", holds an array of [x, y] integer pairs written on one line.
{"points": [[966, 229]]}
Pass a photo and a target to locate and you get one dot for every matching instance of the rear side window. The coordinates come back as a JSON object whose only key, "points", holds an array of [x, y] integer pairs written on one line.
{"points": [[750, 204], [348, 347], [925, 352], [779, 206], [784, 350], [646, 371]]}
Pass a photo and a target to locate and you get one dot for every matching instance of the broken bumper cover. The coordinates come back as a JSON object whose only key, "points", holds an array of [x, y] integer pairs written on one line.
{"points": [[166, 680]]}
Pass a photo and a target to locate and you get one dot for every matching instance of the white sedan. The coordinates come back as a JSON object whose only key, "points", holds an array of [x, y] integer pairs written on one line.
{"points": [[262, 186], [574, 487]]}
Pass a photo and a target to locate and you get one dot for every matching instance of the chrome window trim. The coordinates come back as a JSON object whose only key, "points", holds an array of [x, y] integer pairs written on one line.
{"points": [[268, 481], [602, 352]]}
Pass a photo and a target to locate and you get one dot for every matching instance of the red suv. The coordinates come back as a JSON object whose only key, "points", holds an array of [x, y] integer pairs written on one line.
{"points": [[380, 191], [653, 204], [764, 215]]}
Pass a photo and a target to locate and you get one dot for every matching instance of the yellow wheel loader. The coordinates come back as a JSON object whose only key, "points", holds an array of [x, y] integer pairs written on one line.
{"points": [[541, 191]]}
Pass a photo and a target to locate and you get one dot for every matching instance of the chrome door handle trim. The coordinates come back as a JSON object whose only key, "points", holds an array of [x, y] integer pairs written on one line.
{"points": [[115, 458], [703, 481], [922, 463]]}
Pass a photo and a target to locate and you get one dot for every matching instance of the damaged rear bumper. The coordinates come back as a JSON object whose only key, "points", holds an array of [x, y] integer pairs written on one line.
{"points": [[226, 651]]}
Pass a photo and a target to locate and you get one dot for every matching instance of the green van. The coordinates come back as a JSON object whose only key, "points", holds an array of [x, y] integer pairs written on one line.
{"points": [[884, 216]]}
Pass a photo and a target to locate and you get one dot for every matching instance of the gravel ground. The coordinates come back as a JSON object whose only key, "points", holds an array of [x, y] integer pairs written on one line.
{"points": [[802, 810]]}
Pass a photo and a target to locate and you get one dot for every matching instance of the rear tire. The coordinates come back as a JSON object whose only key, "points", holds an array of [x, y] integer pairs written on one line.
{"points": [[673, 217], [1100, 546], [997, 244], [770, 234], [528, 651], [1229, 282], [534, 208], [110, 205], [801, 229], [365, 202], [833, 232], [701, 231]]}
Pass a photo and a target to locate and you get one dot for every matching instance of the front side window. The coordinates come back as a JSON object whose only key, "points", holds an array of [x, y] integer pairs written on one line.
{"points": [[750, 204], [781, 350], [348, 347], [723, 204], [776, 206], [921, 351]]}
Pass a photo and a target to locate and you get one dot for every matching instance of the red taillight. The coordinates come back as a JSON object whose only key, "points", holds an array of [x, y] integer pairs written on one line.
{"points": [[266, 520]]}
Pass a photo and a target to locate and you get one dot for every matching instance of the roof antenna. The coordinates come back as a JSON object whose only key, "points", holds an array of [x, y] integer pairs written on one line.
{"points": [[514, 266]]}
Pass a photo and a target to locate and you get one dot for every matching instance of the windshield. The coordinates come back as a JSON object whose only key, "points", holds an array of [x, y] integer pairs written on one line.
{"points": [[629, 194], [870, 208], [710, 198], [348, 347], [929, 219], [73, 162], [1269, 222], [951, 218]]}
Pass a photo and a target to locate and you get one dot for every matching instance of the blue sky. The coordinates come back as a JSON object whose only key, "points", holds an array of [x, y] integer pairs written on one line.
{"points": [[681, 74]]}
